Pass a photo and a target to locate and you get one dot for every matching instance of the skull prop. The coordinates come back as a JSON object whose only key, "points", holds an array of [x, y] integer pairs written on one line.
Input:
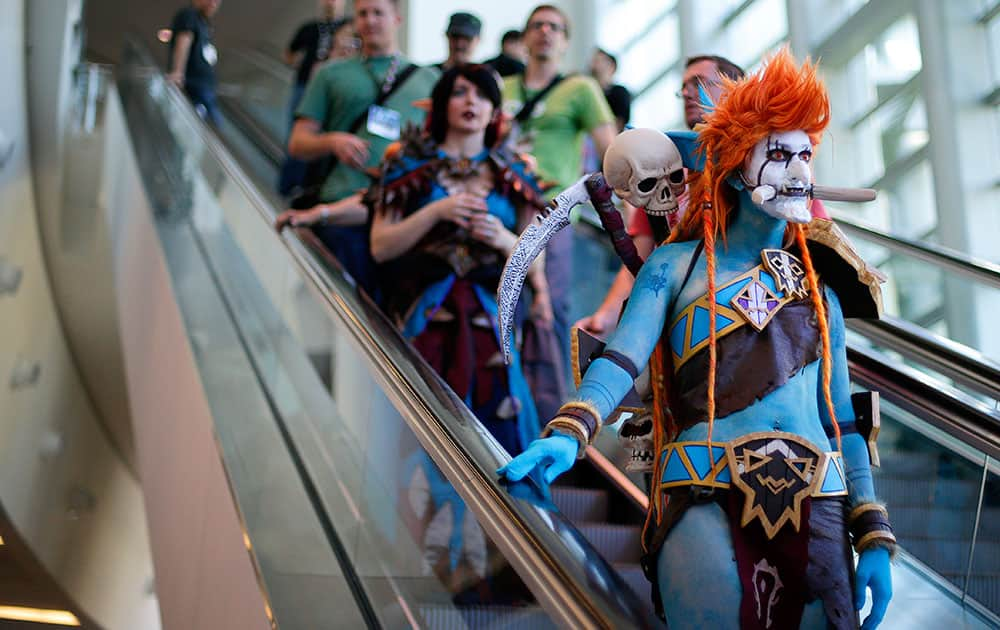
{"points": [[636, 437], [644, 168]]}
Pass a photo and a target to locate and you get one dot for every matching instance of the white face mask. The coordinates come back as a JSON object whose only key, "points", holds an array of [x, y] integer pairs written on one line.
{"points": [[781, 161]]}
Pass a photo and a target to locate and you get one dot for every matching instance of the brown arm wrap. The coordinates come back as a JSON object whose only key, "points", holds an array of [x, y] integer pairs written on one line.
{"points": [[869, 526], [579, 419]]}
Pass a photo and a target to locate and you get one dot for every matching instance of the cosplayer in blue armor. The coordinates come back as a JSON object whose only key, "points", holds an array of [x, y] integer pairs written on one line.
{"points": [[741, 319], [440, 287]]}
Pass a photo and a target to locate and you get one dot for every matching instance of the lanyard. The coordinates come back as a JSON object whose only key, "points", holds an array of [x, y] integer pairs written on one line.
{"points": [[390, 75], [529, 103]]}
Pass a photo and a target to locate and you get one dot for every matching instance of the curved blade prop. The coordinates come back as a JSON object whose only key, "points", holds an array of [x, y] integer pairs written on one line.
{"points": [[529, 245]]}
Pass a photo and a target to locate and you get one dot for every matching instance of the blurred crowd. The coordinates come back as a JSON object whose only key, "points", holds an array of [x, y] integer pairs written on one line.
{"points": [[418, 180]]}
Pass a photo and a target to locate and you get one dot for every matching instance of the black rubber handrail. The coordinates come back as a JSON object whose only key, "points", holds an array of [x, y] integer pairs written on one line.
{"points": [[978, 269], [970, 421], [962, 364]]}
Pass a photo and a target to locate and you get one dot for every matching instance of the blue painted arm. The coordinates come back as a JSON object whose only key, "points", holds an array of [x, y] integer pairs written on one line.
{"points": [[605, 384], [873, 570]]}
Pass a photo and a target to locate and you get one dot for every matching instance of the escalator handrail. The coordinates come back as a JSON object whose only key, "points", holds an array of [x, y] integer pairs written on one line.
{"points": [[571, 581], [970, 421], [978, 269], [956, 361], [273, 150]]}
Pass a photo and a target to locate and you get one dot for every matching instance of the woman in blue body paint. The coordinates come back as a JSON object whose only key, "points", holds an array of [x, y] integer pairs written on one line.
{"points": [[763, 477]]}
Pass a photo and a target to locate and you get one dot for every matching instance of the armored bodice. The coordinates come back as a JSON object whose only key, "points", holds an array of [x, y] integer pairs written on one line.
{"points": [[766, 332]]}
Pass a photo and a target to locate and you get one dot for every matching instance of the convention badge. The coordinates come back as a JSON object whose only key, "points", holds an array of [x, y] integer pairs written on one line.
{"points": [[210, 53], [384, 122]]}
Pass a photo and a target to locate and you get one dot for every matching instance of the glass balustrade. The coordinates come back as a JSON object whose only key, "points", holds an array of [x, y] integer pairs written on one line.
{"points": [[313, 395]]}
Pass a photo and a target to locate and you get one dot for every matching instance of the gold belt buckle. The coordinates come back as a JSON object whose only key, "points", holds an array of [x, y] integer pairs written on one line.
{"points": [[776, 472]]}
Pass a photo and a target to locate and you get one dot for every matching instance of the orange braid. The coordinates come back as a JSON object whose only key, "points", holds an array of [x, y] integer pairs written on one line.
{"points": [[655, 510], [824, 327], [712, 312]]}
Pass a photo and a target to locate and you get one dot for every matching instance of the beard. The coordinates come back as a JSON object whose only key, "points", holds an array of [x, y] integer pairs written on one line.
{"points": [[791, 209]]}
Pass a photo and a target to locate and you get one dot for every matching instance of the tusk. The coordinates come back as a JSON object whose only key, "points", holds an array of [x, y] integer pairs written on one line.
{"points": [[529, 245], [830, 193], [826, 193]]}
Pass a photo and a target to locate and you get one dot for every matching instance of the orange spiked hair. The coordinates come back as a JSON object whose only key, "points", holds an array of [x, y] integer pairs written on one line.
{"points": [[781, 96]]}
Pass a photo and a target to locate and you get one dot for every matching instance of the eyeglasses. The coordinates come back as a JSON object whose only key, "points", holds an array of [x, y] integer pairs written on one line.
{"points": [[691, 85], [537, 25]]}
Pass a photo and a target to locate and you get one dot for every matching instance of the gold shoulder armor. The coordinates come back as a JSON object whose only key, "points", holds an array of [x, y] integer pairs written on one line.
{"points": [[858, 284]]}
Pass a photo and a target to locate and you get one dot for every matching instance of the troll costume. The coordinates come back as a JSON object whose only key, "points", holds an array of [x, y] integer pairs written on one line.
{"points": [[761, 476]]}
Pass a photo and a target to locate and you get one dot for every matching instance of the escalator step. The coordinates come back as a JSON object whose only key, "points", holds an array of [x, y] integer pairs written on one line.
{"points": [[617, 543], [581, 504], [493, 617]]}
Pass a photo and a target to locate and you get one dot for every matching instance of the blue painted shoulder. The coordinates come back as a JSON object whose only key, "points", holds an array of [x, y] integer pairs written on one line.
{"points": [[687, 144], [671, 253]]}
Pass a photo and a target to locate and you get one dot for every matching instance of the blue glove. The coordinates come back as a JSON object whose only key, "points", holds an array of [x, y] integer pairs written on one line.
{"points": [[874, 573], [553, 456]]}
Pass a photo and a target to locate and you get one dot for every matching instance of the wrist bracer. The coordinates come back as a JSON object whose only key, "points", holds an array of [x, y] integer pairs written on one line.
{"points": [[869, 526], [579, 419]]}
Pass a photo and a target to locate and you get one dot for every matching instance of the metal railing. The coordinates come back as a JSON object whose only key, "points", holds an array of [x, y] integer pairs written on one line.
{"points": [[969, 266]]}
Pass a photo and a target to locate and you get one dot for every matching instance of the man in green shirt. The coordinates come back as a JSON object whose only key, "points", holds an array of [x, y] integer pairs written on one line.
{"points": [[574, 107], [338, 95]]}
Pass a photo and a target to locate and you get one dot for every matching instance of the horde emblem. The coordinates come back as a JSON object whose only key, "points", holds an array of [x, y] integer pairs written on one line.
{"points": [[767, 585], [757, 304], [775, 472], [787, 271]]}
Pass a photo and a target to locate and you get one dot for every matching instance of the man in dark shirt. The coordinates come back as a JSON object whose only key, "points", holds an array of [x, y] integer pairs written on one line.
{"points": [[512, 55], [463, 37], [193, 56], [313, 43], [603, 67]]}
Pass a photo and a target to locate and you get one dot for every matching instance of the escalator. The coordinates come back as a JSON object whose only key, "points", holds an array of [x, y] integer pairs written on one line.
{"points": [[396, 476]]}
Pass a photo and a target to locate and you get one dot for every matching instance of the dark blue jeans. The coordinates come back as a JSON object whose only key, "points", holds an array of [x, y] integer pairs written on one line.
{"points": [[559, 273], [202, 96]]}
